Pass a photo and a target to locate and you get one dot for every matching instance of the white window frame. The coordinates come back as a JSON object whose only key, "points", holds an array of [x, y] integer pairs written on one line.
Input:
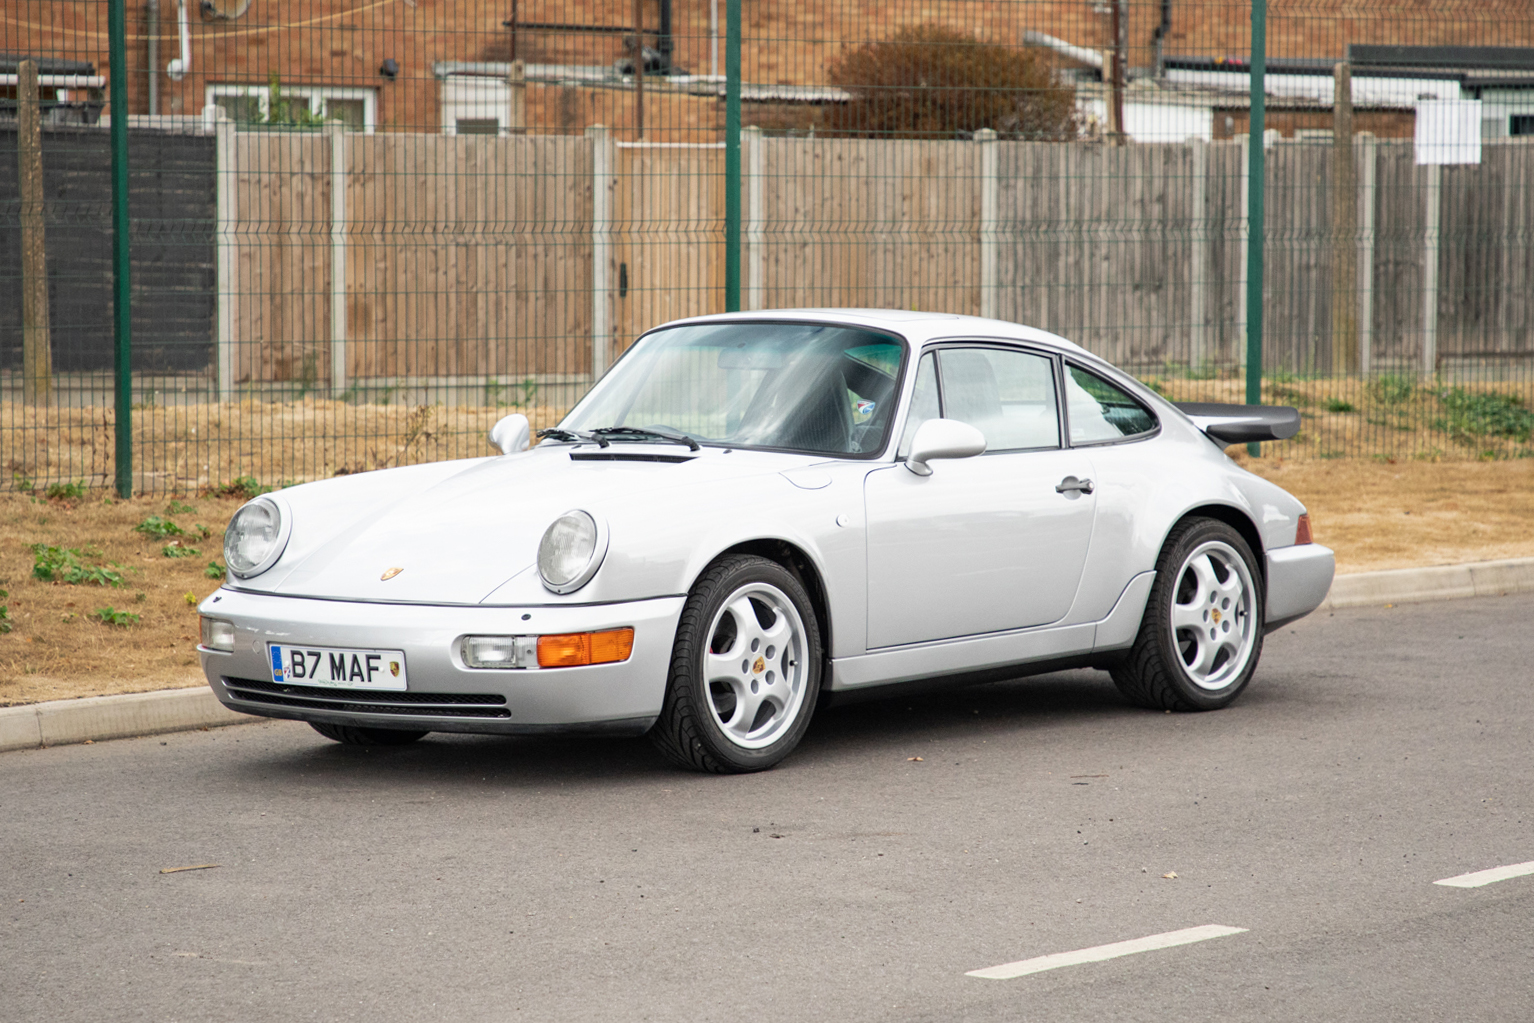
{"points": [[315, 94], [475, 98]]}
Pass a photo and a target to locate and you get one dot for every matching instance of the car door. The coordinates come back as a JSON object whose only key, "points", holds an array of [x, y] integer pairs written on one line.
{"points": [[988, 543]]}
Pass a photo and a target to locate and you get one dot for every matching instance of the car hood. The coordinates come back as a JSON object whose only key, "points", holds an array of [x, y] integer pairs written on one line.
{"points": [[460, 530]]}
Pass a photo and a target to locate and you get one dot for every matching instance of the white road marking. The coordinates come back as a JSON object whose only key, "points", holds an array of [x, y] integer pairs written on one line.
{"points": [[1097, 954], [1481, 877]]}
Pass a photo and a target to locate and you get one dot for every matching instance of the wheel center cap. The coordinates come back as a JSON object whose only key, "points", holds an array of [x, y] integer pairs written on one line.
{"points": [[1216, 615], [756, 669]]}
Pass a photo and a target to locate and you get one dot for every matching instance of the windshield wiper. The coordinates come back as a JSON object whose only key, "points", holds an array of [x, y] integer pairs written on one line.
{"points": [[589, 436], [674, 436]]}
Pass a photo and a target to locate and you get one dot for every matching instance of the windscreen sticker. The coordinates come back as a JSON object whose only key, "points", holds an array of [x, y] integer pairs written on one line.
{"points": [[865, 408]]}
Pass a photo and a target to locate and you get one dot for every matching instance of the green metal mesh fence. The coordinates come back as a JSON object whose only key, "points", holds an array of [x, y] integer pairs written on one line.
{"points": [[362, 230]]}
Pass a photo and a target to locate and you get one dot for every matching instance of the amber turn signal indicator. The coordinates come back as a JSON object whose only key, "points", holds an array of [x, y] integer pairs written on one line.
{"points": [[1302, 531], [576, 648]]}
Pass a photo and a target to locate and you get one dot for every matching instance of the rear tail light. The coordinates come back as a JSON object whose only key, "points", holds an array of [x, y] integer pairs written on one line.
{"points": [[577, 648], [1302, 531]]}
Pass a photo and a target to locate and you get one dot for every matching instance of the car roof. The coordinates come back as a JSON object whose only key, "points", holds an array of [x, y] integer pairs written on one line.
{"points": [[916, 327]]}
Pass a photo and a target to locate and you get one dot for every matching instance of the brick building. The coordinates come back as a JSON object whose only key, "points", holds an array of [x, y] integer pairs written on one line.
{"points": [[439, 65]]}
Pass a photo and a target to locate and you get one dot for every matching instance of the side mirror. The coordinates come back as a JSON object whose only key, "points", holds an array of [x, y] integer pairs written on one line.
{"points": [[511, 434], [942, 438]]}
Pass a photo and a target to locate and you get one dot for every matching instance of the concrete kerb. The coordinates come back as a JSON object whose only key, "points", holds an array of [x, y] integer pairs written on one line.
{"points": [[1441, 582], [61, 722]]}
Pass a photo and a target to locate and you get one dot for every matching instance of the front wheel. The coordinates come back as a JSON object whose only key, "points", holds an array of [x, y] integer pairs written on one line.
{"points": [[1201, 636], [745, 669]]}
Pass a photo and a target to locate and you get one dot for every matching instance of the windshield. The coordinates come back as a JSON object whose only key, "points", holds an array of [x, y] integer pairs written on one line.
{"points": [[800, 386]]}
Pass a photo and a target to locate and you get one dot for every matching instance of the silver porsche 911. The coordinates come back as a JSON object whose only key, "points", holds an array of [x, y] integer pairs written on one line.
{"points": [[750, 514]]}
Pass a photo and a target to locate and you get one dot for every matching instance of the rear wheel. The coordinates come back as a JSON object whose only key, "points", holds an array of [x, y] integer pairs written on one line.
{"points": [[745, 669], [1201, 636], [355, 735]]}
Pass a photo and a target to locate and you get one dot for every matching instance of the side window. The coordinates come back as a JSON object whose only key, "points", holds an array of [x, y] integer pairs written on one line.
{"points": [[1007, 395], [924, 403], [1100, 411]]}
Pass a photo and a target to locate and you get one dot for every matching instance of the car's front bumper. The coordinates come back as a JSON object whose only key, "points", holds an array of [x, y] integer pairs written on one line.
{"points": [[1298, 580], [444, 695]]}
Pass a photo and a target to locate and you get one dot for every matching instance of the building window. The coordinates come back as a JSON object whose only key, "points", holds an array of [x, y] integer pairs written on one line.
{"points": [[472, 105], [250, 105], [1521, 124]]}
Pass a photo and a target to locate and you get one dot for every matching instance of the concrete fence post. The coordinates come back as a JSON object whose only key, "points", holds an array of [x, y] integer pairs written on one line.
{"points": [[603, 165], [989, 204], [226, 212], [338, 176], [756, 268]]}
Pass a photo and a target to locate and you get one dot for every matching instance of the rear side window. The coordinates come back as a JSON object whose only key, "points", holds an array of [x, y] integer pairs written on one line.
{"points": [[1007, 395], [1099, 411]]}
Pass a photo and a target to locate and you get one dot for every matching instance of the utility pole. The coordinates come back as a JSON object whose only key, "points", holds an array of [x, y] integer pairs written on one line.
{"points": [[36, 340], [1344, 227], [639, 67]]}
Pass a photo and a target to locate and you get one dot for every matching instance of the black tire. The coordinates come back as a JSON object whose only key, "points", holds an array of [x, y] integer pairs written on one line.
{"points": [[355, 735], [692, 731], [1165, 669]]}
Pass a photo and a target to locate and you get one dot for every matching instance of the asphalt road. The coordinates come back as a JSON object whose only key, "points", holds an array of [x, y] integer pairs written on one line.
{"points": [[470, 878]]}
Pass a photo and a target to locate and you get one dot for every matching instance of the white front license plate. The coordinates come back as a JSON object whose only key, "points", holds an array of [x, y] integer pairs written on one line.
{"points": [[341, 669]]}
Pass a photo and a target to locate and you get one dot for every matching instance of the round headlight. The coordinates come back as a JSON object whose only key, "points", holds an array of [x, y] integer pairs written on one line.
{"points": [[571, 551], [255, 538]]}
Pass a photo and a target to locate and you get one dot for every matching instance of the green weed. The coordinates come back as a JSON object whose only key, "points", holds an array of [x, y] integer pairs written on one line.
{"points": [[67, 565], [177, 508], [1338, 405], [1481, 414], [175, 550], [215, 570], [245, 487], [111, 616], [5, 613], [160, 529], [66, 491], [1393, 390]]}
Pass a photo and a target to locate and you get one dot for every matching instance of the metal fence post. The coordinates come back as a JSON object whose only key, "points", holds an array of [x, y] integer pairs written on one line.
{"points": [[122, 288], [1254, 214], [732, 157]]}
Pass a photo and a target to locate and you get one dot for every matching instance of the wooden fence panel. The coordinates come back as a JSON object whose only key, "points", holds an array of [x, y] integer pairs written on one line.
{"points": [[669, 227], [471, 256], [872, 223]]}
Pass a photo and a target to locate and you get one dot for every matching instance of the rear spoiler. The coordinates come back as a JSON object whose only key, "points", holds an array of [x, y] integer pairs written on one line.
{"points": [[1242, 424]]}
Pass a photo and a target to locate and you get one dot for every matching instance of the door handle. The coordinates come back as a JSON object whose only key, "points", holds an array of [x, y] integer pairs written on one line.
{"points": [[1071, 483]]}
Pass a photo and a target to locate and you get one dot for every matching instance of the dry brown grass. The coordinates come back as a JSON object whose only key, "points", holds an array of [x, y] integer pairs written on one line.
{"points": [[1383, 515], [55, 648]]}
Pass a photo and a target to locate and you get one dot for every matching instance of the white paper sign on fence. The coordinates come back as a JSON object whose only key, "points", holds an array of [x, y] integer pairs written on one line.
{"points": [[1448, 131]]}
